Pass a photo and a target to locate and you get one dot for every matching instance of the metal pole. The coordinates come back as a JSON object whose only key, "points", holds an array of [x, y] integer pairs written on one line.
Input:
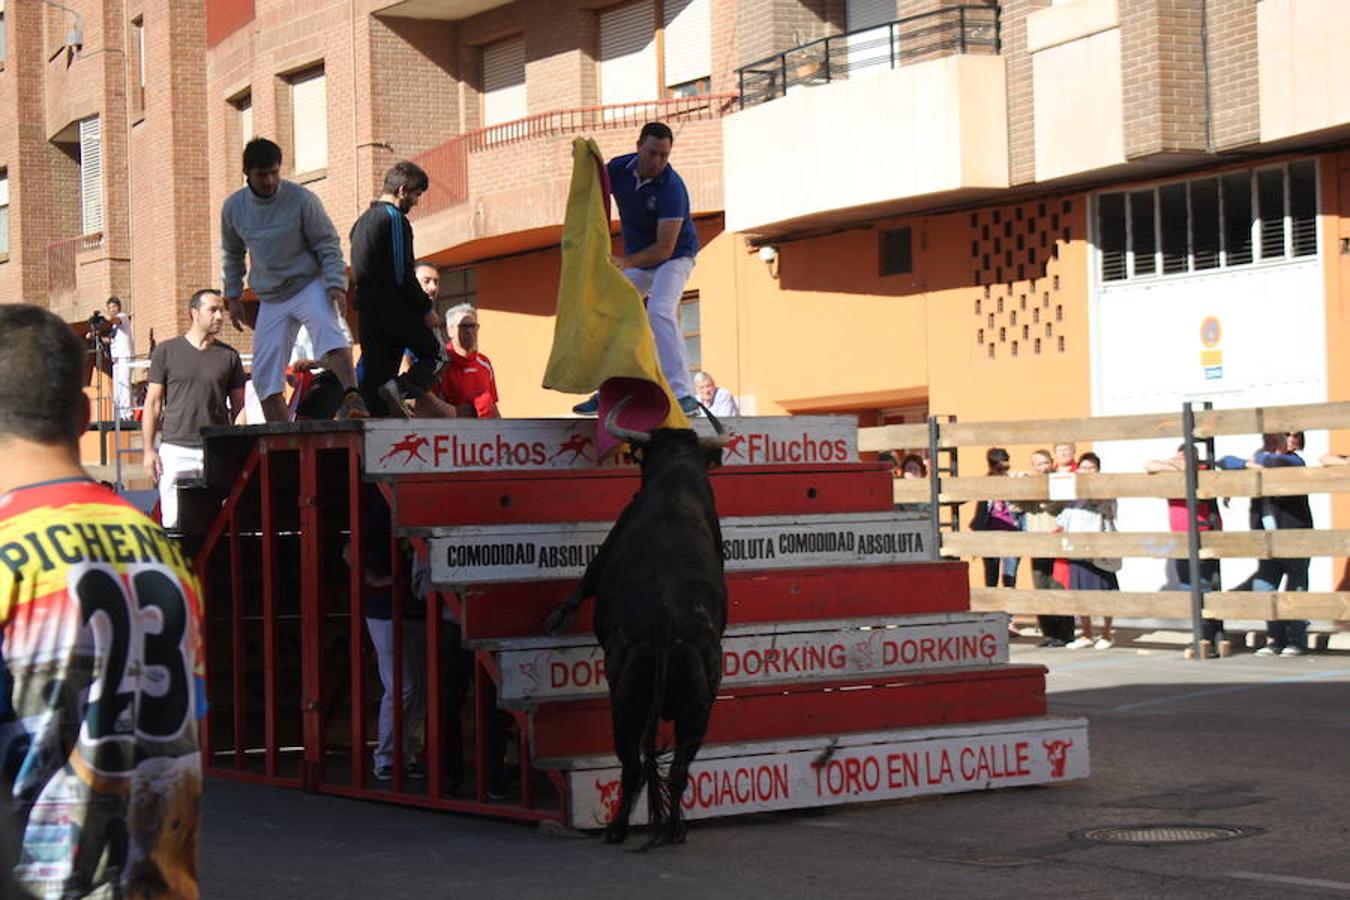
{"points": [[892, 39], [934, 530], [961, 23], [1193, 526], [782, 65]]}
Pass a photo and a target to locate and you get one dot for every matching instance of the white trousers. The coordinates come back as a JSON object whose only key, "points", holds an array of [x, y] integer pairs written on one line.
{"points": [[122, 387], [414, 689], [178, 461], [663, 286]]}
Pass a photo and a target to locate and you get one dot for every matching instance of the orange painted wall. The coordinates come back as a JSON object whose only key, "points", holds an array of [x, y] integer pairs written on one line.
{"points": [[1335, 175]]}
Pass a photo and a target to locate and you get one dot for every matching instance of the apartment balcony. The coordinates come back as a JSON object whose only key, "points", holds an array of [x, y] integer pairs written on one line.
{"points": [[870, 123], [80, 275], [1301, 45], [447, 10], [503, 189]]}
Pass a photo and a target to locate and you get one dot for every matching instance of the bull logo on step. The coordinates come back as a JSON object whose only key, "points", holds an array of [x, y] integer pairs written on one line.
{"points": [[1057, 752], [577, 444], [733, 445], [411, 444], [609, 800]]}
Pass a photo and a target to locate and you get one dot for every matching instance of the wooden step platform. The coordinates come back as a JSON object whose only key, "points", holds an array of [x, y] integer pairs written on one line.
{"points": [[855, 767]]}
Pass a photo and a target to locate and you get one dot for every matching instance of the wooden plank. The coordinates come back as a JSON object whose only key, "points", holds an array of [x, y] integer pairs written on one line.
{"points": [[493, 612], [428, 501], [401, 447], [582, 728], [755, 654], [1052, 431], [1139, 605], [1037, 487], [500, 553], [1333, 605], [1306, 417], [892, 437], [1066, 545], [1286, 481], [853, 769], [1284, 544]]}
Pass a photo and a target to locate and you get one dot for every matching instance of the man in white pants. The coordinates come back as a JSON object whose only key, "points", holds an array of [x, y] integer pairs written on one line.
{"points": [[192, 379], [297, 271], [121, 349], [659, 246]]}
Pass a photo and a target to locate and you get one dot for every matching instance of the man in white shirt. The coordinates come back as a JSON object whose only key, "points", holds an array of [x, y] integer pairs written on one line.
{"points": [[121, 348], [719, 401]]}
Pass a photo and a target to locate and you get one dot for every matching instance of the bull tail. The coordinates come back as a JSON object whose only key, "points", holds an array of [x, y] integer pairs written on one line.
{"points": [[658, 792]]}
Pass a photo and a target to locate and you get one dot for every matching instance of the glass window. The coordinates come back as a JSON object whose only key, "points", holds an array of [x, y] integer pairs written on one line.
{"points": [[1303, 207], [1237, 218], [1205, 223], [1172, 216], [1270, 204], [1142, 233], [1111, 236], [689, 328]]}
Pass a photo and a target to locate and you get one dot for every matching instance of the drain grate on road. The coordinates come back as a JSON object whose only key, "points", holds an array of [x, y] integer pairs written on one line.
{"points": [[1164, 835]]}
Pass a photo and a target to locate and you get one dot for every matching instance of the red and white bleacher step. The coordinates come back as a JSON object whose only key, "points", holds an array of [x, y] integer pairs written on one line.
{"points": [[823, 706], [559, 668], [395, 447], [850, 768], [476, 554]]}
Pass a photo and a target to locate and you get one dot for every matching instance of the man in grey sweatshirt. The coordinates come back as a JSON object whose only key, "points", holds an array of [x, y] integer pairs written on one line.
{"points": [[295, 268]]}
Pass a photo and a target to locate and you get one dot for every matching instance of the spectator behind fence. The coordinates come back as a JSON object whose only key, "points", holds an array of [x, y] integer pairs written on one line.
{"points": [[998, 515], [1039, 517], [195, 381], [913, 466], [719, 400], [1286, 637], [1207, 519], [1095, 574]]}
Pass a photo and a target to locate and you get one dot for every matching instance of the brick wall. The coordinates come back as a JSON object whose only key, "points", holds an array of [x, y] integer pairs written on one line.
{"points": [[1162, 76], [1021, 102], [1234, 74]]}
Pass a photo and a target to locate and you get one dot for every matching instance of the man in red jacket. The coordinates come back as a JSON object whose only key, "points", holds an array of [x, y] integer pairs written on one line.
{"points": [[467, 382]]}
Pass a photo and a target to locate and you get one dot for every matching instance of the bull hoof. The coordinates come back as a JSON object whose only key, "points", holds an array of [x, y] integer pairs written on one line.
{"points": [[616, 833]]}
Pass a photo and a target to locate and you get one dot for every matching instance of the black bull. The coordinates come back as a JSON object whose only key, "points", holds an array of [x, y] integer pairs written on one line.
{"points": [[661, 609]]}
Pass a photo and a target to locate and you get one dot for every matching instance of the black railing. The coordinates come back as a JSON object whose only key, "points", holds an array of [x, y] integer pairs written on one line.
{"points": [[943, 32]]}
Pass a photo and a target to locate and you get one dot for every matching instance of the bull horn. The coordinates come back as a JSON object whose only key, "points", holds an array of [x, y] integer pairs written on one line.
{"points": [[719, 439], [624, 434]]}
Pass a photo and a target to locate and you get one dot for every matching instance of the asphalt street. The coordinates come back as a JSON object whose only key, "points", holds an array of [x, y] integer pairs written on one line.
{"points": [[1260, 746]]}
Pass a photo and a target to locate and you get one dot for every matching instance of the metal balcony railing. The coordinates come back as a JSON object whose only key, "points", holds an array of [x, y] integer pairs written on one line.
{"points": [[448, 164], [943, 32], [63, 263]]}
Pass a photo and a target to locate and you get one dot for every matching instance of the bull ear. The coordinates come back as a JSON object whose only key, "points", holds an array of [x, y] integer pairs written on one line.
{"points": [[719, 438], [624, 434]]}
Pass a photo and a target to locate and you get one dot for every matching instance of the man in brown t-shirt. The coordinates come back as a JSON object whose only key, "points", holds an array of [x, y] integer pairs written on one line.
{"points": [[192, 378]]}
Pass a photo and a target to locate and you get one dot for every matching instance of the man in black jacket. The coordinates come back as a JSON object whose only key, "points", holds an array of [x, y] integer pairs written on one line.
{"points": [[394, 312]]}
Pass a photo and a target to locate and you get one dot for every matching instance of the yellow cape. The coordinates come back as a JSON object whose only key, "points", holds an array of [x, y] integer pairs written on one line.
{"points": [[601, 331]]}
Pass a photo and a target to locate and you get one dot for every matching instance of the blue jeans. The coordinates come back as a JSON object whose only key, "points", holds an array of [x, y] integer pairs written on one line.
{"points": [[1282, 633], [1008, 564]]}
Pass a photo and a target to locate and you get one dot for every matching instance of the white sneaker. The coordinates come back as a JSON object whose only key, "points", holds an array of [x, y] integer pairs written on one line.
{"points": [[1267, 650], [1291, 650], [1103, 644], [1079, 643]]}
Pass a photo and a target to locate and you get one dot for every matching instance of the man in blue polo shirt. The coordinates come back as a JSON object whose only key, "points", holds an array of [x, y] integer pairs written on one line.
{"points": [[659, 245]]}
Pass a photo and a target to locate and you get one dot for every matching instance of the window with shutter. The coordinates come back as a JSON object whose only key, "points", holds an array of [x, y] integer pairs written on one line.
{"points": [[246, 120], [4, 211], [504, 97], [869, 50], [309, 122], [91, 175], [628, 54], [688, 57]]}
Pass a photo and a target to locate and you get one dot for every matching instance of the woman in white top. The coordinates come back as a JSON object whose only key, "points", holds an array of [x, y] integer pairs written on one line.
{"points": [[1091, 574]]}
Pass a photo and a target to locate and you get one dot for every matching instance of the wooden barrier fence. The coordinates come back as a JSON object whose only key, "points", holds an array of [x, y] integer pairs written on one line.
{"points": [[1191, 427]]}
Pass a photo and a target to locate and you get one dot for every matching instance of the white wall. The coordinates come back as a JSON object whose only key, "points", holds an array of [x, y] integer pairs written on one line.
{"points": [[1146, 359]]}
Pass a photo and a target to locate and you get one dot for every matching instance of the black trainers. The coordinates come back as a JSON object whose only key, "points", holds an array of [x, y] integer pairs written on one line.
{"points": [[383, 773], [393, 400], [352, 406]]}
